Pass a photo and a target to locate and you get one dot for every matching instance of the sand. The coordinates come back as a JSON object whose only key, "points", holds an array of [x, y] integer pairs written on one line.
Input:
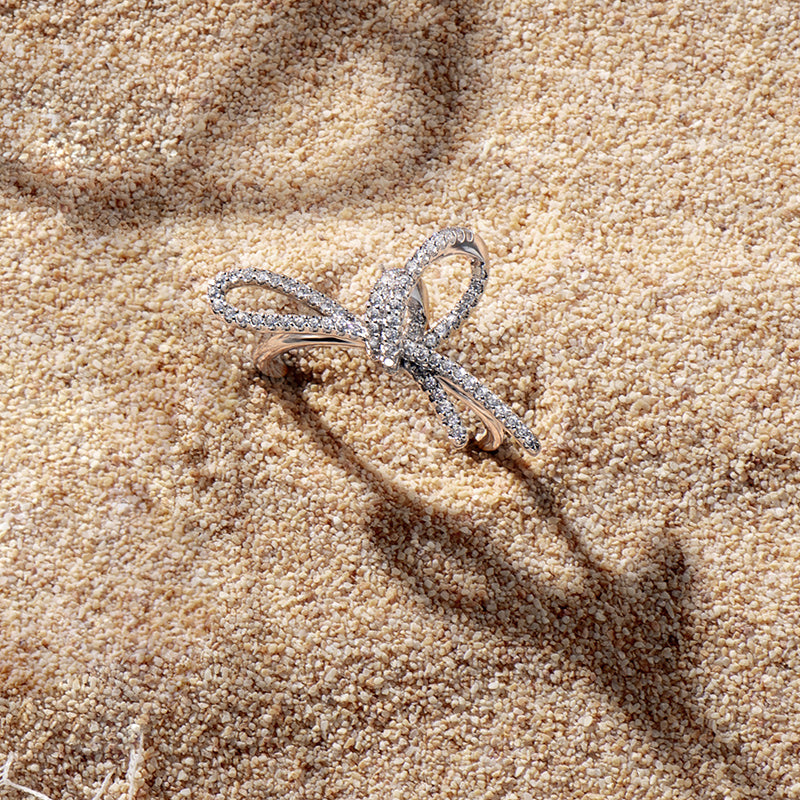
{"points": [[219, 584]]}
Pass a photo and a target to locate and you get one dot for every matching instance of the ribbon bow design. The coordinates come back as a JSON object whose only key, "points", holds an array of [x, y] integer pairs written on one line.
{"points": [[395, 331]]}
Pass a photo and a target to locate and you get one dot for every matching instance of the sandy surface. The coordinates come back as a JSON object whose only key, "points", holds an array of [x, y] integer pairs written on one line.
{"points": [[215, 584]]}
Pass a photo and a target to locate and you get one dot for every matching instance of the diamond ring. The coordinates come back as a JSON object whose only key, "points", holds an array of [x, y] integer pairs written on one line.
{"points": [[395, 331]]}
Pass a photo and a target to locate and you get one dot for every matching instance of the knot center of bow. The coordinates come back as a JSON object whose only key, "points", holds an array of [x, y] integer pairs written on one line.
{"points": [[387, 316]]}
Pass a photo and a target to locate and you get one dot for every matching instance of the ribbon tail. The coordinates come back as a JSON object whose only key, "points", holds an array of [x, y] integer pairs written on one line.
{"points": [[442, 404], [493, 412]]}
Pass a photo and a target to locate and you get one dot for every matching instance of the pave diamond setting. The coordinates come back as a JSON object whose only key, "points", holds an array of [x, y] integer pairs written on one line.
{"points": [[333, 318], [394, 330]]}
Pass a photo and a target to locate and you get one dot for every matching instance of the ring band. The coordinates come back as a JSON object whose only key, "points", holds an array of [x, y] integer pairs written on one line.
{"points": [[395, 331]]}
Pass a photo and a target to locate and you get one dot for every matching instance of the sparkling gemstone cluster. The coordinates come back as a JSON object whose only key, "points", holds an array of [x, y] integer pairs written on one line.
{"points": [[386, 316]]}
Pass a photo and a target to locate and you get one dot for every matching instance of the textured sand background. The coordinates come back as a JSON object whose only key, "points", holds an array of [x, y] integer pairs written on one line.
{"points": [[215, 584]]}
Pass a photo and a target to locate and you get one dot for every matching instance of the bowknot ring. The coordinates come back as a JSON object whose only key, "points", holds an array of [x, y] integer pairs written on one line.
{"points": [[395, 331]]}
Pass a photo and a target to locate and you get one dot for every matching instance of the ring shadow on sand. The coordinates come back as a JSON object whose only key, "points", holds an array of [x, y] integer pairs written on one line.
{"points": [[638, 650], [418, 119]]}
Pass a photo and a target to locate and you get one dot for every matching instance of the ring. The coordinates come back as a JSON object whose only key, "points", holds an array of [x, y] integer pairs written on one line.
{"points": [[395, 331]]}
